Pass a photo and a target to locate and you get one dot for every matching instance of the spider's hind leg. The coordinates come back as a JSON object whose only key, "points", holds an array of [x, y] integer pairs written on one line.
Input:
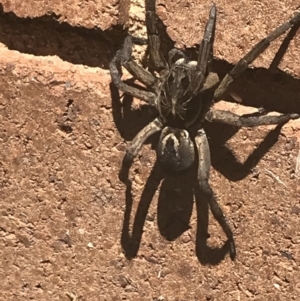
{"points": [[203, 177]]}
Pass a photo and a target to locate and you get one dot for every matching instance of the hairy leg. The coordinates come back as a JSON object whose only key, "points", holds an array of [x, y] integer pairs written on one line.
{"points": [[205, 56], [138, 141], [135, 69], [244, 62], [247, 121], [123, 57], [154, 41], [135, 146], [203, 178]]}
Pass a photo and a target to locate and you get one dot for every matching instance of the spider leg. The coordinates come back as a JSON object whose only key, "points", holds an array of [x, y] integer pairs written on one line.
{"points": [[138, 141], [205, 55], [247, 121], [136, 145], [203, 177], [135, 69], [123, 57], [140, 73], [154, 41], [243, 63]]}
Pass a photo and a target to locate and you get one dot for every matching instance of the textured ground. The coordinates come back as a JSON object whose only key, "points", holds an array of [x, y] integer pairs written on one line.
{"points": [[240, 25], [69, 228], [100, 14]]}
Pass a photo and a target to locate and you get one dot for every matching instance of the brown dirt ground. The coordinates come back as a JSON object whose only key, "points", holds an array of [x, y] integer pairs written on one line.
{"points": [[68, 227], [240, 24], [102, 14]]}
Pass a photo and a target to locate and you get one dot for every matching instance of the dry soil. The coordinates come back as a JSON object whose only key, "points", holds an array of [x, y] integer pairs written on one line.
{"points": [[71, 230]]}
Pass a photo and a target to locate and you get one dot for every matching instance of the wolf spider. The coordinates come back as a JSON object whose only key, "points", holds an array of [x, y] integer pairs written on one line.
{"points": [[183, 95]]}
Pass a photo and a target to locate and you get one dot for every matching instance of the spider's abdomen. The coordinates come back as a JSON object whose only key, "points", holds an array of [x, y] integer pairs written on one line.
{"points": [[175, 150]]}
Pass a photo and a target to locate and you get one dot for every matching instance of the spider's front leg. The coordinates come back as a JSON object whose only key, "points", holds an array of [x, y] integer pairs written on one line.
{"points": [[205, 56], [154, 41], [259, 48], [203, 178], [123, 58]]}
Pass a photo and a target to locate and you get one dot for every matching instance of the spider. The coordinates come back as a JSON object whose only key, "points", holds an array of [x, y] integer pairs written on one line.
{"points": [[183, 94]]}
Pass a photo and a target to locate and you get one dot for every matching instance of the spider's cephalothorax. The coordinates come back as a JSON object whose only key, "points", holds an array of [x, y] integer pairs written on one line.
{"points": [[175, 92], [183, 95]]}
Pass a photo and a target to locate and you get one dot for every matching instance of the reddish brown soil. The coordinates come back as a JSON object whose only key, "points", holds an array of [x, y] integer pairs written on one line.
{"points": [[240, 25], [102, 14], [69, 229]]}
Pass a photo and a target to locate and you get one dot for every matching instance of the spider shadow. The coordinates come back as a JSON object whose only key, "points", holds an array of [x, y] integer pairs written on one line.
{"points": [[258, 87], [175, 206], [174, 211], [223, 158], [47, 35]]}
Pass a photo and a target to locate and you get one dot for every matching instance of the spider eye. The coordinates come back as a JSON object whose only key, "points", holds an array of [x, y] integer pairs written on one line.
{"points": [[180, 61], [192, 64], [175, 150], [184, 134]]}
